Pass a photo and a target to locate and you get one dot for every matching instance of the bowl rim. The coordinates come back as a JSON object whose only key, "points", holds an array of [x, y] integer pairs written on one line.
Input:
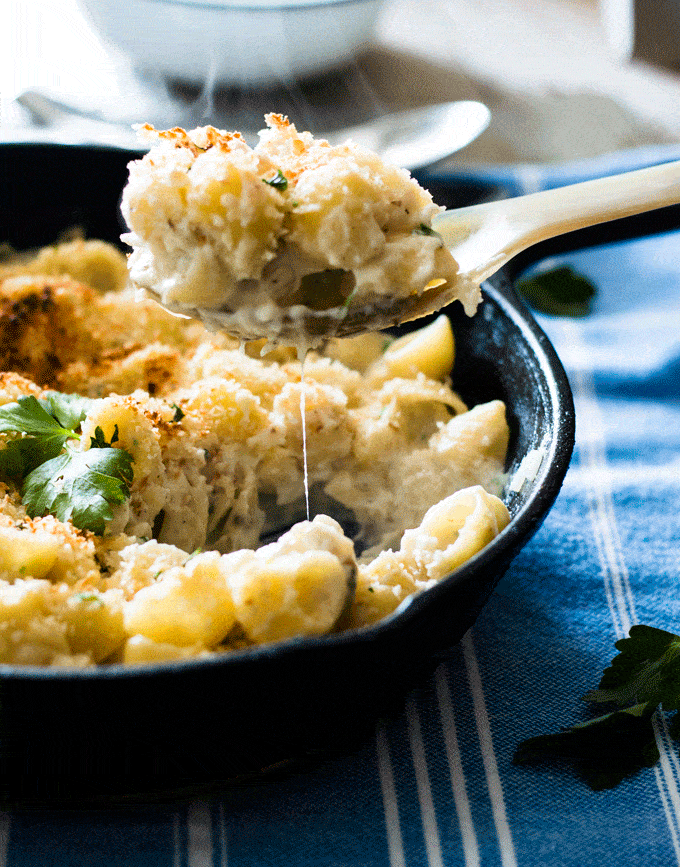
{"points": [[523, 524], [250, 6]]}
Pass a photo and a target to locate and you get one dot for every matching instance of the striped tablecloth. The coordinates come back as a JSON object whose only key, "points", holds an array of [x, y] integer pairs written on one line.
{"points": [[436, 785]]}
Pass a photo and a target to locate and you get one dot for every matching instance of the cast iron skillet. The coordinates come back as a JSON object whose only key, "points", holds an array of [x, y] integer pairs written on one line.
{"points": [[115, 732]]}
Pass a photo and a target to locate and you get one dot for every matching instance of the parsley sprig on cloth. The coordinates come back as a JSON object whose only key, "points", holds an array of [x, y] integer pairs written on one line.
{"points": [[558, 292], [643, 677], [56, 477]]}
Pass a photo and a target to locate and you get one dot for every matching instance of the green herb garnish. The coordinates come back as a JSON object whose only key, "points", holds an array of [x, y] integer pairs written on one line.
{"points": [[179, 413], [80, 487], [69, 410], [424, 229], [279, 181], [218, 530], [558, 292], [348, 301], [88, 597], [644, 677], [55, 478]]}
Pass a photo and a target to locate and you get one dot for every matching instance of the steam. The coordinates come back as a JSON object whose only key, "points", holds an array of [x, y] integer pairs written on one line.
{"points": [[323, 104]]}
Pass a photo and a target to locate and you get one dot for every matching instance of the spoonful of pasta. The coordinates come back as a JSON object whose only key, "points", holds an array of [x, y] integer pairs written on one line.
{"points": [[296, 240]]}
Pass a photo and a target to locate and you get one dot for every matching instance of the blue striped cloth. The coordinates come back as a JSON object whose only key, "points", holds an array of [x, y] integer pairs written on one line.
{"points": [[436, 785]]}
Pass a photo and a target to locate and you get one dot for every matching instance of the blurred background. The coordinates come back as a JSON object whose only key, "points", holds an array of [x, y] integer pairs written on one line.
{"points": [[564, 79]]}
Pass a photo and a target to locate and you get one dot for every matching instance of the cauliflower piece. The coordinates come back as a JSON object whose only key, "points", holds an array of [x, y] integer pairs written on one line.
{"points": [[95, 263], [187, 605], [297, 586], [140, 649], [200, 216]]}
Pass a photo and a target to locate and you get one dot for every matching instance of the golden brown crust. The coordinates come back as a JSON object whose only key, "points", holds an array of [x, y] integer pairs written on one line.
{"points": [[41, 325], [211, 137]]}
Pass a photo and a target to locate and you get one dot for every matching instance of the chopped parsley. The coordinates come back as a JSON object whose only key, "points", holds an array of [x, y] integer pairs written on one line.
{"points": [[348, 301], [179, 413], [279, 181], [56, 478], [424, 229], [642, 678], [88, 597]]}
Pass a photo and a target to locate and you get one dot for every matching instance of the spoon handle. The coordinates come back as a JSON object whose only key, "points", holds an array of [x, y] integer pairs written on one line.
{"points": [[482, 238]]}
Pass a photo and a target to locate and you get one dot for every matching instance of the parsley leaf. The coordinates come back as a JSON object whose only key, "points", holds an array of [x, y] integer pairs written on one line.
{"points": [[424, 229], [20, 456], [29, 416], [279, 181], [646, 669], [179, 413], [88, 597], [644, 676], [348, 301], [80, 486], [69, 410], [57, 479], [558, 292], [604, 750], [41, 436], [98, 441]]}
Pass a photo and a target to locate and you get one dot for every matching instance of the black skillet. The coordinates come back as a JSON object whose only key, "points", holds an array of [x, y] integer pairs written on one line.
{"points": [[114, 733]]}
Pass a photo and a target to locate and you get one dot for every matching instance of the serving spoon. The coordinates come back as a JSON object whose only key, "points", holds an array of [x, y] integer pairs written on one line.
{"points": [[415, 138], [482, 238]]}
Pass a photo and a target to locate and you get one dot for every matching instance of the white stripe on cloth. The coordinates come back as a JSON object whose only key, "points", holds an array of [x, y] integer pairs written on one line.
{"points": [[665, 803], [395, 847], [666, 735], [456, 774], [666, 781], [600, 505], [612, 562], [199, 835], [493, 780], [427, 813]]}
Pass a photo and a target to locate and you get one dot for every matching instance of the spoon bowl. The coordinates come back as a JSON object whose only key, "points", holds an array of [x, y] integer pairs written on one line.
{"points": [[483, 238]]}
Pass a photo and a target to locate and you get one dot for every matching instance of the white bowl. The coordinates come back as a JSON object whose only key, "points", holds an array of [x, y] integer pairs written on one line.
{"points": [[235, 42]]}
